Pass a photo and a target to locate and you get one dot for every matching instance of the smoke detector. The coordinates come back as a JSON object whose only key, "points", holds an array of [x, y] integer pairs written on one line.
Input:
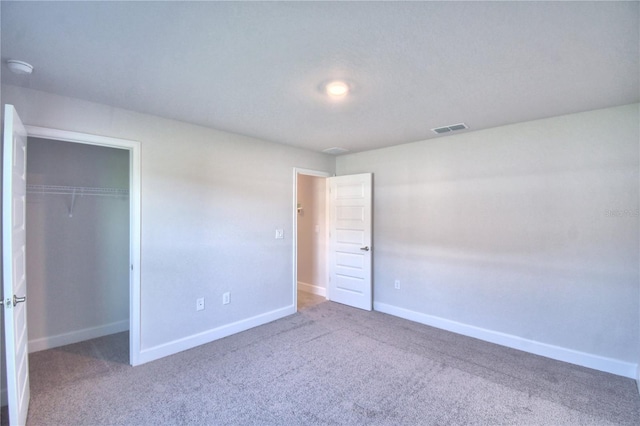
{"points": [[19, 67], [450, 128]]}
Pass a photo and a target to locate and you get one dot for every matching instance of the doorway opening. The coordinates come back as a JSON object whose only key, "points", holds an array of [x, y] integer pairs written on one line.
{"points": [[310, 238], [77, 244], [114, 205]]}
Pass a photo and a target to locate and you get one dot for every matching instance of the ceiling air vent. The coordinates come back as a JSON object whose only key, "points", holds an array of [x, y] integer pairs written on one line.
{"points": [[335, 151], [450, 128]]}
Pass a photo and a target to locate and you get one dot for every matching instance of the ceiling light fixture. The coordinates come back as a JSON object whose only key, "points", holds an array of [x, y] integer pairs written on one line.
{"points": [[335, 150], [19, 67], [337, 89]]}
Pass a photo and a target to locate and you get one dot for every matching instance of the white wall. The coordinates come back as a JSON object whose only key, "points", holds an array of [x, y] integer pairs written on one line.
{"points": [[211, 201], [78, 266], [312, 234], [526, 235]]}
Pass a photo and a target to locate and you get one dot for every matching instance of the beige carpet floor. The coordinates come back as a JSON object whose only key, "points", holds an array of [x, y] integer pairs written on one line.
{"points": [[328, 364]]}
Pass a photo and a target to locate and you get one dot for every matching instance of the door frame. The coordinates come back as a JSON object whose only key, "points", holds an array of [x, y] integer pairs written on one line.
{"points": [[134, 217], [296, 172]]}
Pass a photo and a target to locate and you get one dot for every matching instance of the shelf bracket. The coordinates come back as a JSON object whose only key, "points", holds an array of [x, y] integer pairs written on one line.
{"points": [[73, 202]]}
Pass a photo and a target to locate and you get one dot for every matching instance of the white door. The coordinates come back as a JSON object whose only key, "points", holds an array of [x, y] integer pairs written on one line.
{"points": [[14, 282], [350, 242]]}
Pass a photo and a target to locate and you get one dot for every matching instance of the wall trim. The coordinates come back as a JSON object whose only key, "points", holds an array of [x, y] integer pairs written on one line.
{"points": [[313, 289], [76, 336], [609, 365], [183, 344]]}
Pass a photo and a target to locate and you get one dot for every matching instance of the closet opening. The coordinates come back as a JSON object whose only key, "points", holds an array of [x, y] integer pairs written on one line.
{"points": [[310, 223], [78, 247]]}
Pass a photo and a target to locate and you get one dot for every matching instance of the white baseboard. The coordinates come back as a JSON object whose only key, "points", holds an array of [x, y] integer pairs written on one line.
{"points": [[171, 348], [609, 365], [76, 336], [313, 289]]}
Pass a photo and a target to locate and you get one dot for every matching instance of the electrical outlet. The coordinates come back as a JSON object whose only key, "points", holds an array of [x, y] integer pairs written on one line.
{"points": [[396, 284], [200, 304], [225, 298]]}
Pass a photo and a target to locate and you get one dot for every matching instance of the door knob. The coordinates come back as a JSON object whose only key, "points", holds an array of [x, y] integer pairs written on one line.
{"points": [[17, 300], [366, 248]]}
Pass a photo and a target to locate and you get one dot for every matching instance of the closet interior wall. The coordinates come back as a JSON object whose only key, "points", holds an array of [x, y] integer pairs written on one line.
{"points": [[77, 246]]}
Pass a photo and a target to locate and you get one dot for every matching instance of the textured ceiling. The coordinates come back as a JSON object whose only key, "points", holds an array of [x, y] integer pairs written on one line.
{"points": [[256, 68]]}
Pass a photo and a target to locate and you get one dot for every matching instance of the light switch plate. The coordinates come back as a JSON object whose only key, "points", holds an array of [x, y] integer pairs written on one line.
{"points": [[279, 234]]}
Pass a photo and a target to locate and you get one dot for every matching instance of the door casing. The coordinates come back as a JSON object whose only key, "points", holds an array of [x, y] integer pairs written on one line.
{"points": [[134, 217], [296, 173]]}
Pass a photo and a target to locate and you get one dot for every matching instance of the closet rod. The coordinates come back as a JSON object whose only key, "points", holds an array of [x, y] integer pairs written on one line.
{"points": [[77, 190]]}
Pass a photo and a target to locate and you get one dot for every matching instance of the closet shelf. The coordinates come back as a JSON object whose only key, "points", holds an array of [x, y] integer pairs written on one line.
{"points": [[76, 190]]}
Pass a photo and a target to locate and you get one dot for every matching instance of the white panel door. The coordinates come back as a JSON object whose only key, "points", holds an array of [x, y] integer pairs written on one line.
{"points": [[350, 248], [14, 282]]}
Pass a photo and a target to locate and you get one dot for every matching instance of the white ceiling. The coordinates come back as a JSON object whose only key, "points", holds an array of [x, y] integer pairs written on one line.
{"points": [[256, 68]]}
